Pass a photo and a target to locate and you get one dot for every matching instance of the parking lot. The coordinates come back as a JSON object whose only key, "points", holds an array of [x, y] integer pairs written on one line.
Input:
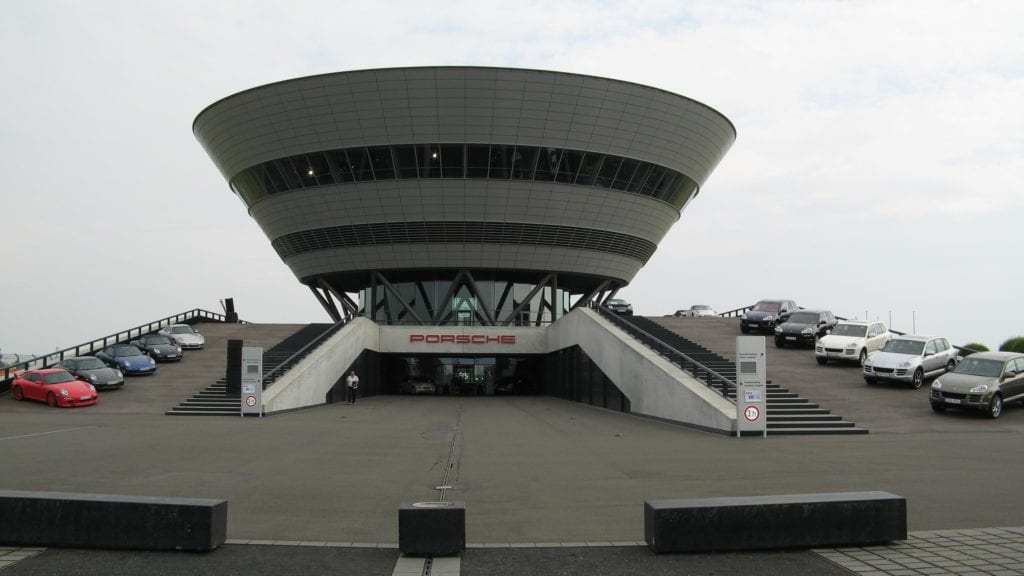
{"points": [[532, 470]]}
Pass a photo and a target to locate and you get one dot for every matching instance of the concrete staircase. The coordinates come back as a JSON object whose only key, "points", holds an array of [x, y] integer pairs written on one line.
{"points": [[787, 412], [214, 400]]}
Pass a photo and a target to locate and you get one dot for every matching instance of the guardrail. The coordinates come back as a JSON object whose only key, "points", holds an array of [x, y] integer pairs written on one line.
{"points": [[712, 379], [46, 360], [272, 376], [736, 313]]}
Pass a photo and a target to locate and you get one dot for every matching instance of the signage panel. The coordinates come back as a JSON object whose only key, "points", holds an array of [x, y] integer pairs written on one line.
{"points": [[252, 380], [751, 385]]}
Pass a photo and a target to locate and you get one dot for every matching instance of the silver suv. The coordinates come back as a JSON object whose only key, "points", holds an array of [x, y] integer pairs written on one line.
{"points": [[910, 359]]}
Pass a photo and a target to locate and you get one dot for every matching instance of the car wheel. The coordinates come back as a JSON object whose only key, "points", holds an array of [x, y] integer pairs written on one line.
{"points": [[51, 399], [863, 355], [995, 407], [918, 379], [950, 365], [871, 381], [936, 407], [780, 343], [821, 360], [19, 394]]}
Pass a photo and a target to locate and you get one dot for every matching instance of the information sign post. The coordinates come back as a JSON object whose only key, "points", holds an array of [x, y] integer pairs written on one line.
{"points": [[751, 386], [252, 381]]}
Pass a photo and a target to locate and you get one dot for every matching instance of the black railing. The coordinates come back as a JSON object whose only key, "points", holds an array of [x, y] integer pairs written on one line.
{"points": [[735, 313], [279, 370], [711, 379], [46, 360]]}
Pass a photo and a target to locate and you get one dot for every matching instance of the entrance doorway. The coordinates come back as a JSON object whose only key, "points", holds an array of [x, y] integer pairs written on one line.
{"points": [[463, 375]]}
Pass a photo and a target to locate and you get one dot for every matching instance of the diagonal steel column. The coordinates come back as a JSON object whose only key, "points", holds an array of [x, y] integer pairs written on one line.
{"points": [[526, 300], [390, 288], [443, 304], [484, 303], [591, 295], [327, 303]]}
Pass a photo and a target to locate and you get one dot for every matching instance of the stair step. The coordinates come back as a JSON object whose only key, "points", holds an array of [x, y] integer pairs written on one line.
{"points": [[775, 417], [200, 413], [814, 431], [812, 424], [797, 411], [206, 409]]}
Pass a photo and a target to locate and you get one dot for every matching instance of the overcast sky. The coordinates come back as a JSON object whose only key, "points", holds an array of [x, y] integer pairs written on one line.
{"points": [[877, 168]]}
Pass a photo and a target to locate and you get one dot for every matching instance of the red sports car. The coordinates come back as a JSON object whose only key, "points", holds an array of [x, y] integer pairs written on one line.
{"points": [[55, 386]]}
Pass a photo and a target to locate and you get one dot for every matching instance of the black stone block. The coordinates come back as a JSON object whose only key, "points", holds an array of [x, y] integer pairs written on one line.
{"points": [[432, 528], [73, 520], [233, 386], [770, 522]]}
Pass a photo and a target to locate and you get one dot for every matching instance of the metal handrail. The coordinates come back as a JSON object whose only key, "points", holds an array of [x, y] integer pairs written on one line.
{"points": [[46, 360], [282, 367], [686, 363], [736, 312]]}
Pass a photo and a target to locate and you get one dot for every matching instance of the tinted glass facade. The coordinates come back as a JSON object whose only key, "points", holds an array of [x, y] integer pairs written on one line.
{"points": [[463, 161]]}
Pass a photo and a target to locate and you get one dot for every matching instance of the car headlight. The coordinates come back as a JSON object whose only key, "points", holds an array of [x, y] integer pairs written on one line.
{"points": [[92, 377], [778, 329], [91, 387], [127, 364], [937, 385], [64, 392], [807, 330], [744, 317], [980, 388], [905, 364], [119, 373], [179, 349], [152, 362], [851, 345], [769, 318]]}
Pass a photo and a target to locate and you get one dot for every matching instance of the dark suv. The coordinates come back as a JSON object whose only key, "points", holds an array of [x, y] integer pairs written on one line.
{"points": [[765, 314], [803, 327]]}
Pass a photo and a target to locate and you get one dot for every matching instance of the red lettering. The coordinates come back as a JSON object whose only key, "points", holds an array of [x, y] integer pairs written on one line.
{"points": [[462, 339], [508, 339], [493, 339], [433, 339], [415, 337], [477, 339], [450, 338]]}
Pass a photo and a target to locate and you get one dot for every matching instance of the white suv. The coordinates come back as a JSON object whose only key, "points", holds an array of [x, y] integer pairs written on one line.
{"points": [[851, 340], [910, 359]]}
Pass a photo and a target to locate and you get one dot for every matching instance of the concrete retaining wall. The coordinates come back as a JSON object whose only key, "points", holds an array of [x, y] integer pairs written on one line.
{"points": [[308, 383], [655, 387]]}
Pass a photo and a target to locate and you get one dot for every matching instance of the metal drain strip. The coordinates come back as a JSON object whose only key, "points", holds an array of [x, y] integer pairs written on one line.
{"points": [[452, 457]]}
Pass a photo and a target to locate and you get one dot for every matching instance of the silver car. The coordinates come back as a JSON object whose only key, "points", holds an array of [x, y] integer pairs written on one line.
{"points": [[910, 359], [984, 381]]}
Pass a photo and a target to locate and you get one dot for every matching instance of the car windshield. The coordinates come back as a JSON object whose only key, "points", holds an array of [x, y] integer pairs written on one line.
{"points": [[766, 307], [856, 330], [90, 364], [614, 301], [156, 340], [700, 307], [58, 377], [803, 318], [126, 352], [182, 330], [980, 367], [898, 346]]}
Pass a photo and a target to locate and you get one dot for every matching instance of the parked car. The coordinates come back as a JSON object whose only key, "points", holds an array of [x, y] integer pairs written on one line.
{"points": [[184, 336], [983, 381], [619, 306], [93, 371], [804, 327], [509, 385], [55, 386], [159, 347], [696, 310], [127, 359], [417, 385], [910, 359], [851, 340], [765, 314]]}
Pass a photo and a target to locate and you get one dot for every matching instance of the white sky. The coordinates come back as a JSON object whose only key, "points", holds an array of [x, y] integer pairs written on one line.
{"points": [[877, 168]]}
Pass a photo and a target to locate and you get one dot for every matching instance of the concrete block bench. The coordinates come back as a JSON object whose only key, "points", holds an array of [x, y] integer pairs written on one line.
{"points": [[73, 520], [432, 528], [769, 522]]}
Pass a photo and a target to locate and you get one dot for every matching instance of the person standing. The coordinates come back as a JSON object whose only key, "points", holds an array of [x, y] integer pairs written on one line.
{"points": [[351, 386]]}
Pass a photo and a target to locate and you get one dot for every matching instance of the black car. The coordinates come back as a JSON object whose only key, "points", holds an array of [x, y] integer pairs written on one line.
{"points": [[803, 327], [765, 314], [159, 347], [619, 306], [94, 371]]}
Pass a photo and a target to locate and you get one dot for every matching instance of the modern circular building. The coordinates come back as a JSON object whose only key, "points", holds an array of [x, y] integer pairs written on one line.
{"points": [[463, 195]]}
